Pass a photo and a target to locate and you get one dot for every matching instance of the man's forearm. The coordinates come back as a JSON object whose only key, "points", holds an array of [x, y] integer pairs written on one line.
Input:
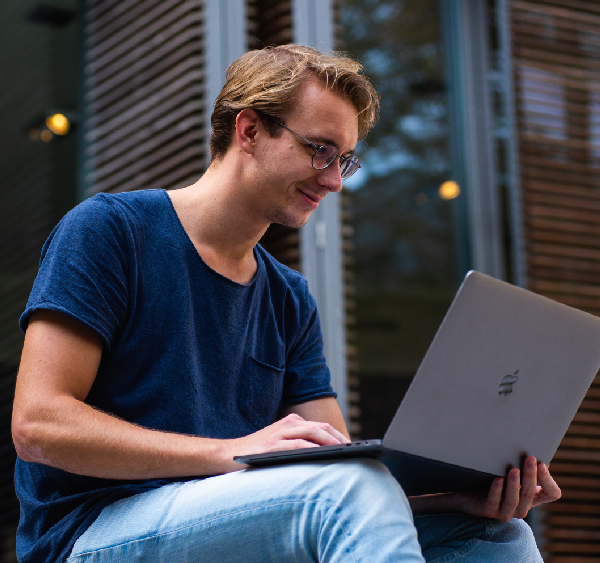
{"points": [[80, 439], [73, 436], [432, 504]]}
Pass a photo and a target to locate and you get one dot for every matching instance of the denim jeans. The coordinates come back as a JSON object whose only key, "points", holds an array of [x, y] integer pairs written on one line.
{"points": [[349, 511]]}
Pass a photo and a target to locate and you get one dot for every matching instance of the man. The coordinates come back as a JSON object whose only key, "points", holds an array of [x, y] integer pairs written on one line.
{"points": [[161, 341]]}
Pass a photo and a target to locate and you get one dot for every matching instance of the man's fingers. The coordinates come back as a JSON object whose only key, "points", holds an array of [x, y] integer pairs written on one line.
{"points": [[494, 498], [549, 490], [511, 495], [321, 433], [318, 433], [338, 435], [528, 487]]}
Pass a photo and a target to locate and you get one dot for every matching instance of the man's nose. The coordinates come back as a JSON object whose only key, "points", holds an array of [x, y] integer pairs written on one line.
{"points": [[331, 177]]}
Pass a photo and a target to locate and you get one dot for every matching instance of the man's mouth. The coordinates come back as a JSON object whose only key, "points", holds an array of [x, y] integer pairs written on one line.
{"points": [[311, 197]]}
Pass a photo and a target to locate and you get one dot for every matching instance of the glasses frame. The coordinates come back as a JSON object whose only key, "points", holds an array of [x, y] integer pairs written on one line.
{"points": [[352, 158]]}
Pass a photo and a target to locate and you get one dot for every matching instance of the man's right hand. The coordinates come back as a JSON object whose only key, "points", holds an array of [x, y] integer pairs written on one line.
{"points": [[289, 433]]}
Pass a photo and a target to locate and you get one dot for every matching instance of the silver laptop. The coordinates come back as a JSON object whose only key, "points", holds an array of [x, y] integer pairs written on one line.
{"points": [[502, 379]]}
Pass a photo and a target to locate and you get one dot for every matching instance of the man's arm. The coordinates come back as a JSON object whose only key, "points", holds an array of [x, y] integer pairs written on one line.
{"points": [[53, 425]]}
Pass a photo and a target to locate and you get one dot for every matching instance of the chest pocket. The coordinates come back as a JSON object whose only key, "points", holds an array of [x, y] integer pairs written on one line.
{"points": [[260, 391]]}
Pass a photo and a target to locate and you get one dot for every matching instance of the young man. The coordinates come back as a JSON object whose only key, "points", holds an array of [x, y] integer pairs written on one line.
{"points": [[161, 341]]}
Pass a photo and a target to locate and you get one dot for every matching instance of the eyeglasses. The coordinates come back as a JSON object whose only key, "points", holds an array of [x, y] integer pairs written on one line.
{"points": [[326, 154]]}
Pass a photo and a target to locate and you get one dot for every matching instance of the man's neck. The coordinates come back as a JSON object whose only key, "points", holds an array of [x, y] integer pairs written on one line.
{"points": [[215, 217]]}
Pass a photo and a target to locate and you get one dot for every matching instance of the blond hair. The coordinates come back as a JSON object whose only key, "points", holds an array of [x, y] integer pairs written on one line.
{"points": [[268, 81]]}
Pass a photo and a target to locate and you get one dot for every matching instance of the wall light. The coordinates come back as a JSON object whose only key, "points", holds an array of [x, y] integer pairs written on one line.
{"points": [[58, 124], [449, 190]]}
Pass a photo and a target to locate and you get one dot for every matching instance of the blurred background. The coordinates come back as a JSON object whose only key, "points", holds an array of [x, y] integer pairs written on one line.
{"points": [[486, 156]]}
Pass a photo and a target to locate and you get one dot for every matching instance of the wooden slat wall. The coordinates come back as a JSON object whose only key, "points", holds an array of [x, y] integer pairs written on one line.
{"points": [[144, 90], [556, 47]]}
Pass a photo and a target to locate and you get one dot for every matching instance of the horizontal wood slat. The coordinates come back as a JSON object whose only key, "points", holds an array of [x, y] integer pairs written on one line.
{"points": [[571, 534], [578, 482], [585, 180], [564, 467], [557, 80], [572, 559], [572, 521], [583, 228], [563, 195], [575, 547], [536, 232], [577, 66], [570, 42], [570, 509]]}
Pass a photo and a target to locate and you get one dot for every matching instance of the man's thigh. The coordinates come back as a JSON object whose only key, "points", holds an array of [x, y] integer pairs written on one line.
{"points": [[346, 511]]}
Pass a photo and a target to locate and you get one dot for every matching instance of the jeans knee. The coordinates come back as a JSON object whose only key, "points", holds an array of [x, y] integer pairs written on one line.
{"points": [[518, 539], [360, 473], [521, 532], [365, 481]]}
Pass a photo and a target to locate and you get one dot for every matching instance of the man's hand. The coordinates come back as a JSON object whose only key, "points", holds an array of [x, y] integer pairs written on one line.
{"points": [[503, 503], [289, 433]]}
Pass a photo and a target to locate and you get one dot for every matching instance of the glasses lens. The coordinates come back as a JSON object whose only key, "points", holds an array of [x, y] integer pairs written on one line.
{"points": [[324, 156], [349, 166]]}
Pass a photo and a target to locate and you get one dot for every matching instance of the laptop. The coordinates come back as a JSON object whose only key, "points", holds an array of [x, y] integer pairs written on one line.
{"points": [[502, 379]]}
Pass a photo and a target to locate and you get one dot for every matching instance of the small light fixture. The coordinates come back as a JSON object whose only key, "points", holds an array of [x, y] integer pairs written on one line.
{"points": [[58, 124], [46, 136], [449, 190]]}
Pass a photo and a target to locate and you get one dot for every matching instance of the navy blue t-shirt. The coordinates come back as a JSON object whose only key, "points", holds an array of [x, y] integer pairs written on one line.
{"points": [[185, 349]]}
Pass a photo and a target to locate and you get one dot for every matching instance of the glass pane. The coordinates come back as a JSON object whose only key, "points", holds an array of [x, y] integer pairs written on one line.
{"points": [[403, 199]]}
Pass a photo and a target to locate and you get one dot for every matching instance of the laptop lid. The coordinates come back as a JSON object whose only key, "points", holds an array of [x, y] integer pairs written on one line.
{"points": [[502, 379]]}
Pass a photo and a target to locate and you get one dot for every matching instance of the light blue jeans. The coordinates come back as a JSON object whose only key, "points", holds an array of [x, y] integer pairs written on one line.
{"points": [[350, 511]]}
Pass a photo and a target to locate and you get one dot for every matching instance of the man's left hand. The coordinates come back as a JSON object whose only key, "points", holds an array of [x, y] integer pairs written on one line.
{"points": [[502, 502]]}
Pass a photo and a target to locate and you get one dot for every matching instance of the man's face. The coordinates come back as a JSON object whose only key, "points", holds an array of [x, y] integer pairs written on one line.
{"points": [[291, 186]]}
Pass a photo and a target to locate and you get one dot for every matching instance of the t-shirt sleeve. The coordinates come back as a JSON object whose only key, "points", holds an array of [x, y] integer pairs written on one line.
{"points": [[83, 270], [307, 374]]}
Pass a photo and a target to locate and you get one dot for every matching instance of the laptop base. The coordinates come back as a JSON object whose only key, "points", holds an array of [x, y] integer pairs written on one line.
{"points": [[417, 475]]}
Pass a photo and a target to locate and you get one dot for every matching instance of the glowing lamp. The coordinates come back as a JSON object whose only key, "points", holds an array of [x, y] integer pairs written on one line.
{"points": [[58, 124], [449, 190]]}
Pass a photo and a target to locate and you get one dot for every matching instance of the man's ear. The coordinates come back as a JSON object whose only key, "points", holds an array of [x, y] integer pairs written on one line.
{"points": [[247, 124]]}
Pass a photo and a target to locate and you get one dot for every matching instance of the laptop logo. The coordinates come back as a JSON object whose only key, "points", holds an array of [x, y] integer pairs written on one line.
{"points": [[507, 383]]}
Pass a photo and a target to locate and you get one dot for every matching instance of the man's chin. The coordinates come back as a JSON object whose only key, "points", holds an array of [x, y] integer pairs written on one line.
{"points": [[288, 220]]}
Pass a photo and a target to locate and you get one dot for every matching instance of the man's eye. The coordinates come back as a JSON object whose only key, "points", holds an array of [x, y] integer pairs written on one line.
{"points": [[322, 150]]}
